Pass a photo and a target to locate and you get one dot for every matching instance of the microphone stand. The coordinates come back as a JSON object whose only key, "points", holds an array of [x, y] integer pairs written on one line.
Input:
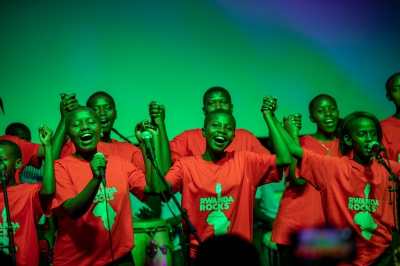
{"points": [[183, 212], [10, 229], [392, 177], [120, 135]]}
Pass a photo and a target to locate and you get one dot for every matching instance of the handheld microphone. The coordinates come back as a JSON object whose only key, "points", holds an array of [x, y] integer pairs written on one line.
{"points": [[3, 166], [375, 147], [103, 177], [146, 137]]}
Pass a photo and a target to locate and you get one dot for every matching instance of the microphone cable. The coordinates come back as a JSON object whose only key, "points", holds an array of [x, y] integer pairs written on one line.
{"points": [[108, 222]]}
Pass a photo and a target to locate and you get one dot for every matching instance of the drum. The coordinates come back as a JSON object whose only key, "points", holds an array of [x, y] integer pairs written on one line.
{"points": [[152, 243]]}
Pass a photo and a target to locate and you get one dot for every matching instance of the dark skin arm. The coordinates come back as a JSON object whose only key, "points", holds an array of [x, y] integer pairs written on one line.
{"points": [[295, 149], [48, 185], [151, 173], [68, 103], [259, 215], [293, 127], [157, 114], [80, 204]]}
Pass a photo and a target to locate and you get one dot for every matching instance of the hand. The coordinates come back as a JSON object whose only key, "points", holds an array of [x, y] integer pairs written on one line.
{"points": [[45, 135], [97, 163], [144, 125], [157, 113], [67, 104], [292, 125], [269, 106]]}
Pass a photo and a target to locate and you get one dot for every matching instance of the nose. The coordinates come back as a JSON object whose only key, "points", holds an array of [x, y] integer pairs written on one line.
{"points": [[84, 126], [218, 105], [327, 112]]}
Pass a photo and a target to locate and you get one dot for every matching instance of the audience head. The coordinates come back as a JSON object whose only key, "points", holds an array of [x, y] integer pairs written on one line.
{"points": [[226, 250]]}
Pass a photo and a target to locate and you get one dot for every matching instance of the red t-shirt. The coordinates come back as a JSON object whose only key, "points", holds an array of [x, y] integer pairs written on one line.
{"points": [[126, 150], [85, 241], [192, 142], [231, 210], [25, 213], [301, 205], [29, 152], [391, 137], [355, 196]]}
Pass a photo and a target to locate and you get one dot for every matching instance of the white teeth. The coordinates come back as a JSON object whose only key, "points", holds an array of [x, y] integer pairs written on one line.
{"points": [[86, 135], [329, 121], [221, 138]]}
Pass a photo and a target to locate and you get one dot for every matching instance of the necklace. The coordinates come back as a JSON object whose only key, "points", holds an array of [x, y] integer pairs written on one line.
{"points": [[327, 149]]}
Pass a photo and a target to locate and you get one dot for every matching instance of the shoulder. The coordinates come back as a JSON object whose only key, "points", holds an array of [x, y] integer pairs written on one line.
{"points": [[243, 132], [18, 141], [124, 145]]}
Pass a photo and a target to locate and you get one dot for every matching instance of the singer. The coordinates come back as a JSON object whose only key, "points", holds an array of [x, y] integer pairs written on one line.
{"points": [[95, 222], [218, 187], [27, 202], [391, 125], [354, 187]]}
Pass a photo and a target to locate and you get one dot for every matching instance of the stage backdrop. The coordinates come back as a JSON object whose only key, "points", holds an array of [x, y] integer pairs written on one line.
{"points": [[172, 51]]}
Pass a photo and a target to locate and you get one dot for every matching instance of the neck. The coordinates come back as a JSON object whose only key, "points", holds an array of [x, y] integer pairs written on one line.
{"points": [[212, 156], [106, 137], [362, 160], [323, 136], [87, 155], [397, 114]]}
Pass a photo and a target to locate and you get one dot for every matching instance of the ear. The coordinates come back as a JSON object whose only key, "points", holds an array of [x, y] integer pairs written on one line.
{"points": [[115, 114], [312, 119], [203, 132], [204, 111], [231, 108], [388, 97], [18, 163], [348, 140], [101, 133]]}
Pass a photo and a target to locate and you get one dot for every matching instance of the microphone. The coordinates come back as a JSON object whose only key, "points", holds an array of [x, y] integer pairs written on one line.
{"points": [[375, 147], [3, 166], [103, 177], [146, 137]]}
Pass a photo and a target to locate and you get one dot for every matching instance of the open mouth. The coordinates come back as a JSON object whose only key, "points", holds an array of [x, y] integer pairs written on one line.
{"points": [[86, 138], [219, 140], [329, 122], [104, 123]]}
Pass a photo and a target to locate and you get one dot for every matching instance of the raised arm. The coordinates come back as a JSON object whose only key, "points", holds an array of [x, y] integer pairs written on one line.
{"points": [[48, 183], [68, 103], [80, 204], [157, 114], [292, 125], [151, 172], [283, 156], [295, 149]]}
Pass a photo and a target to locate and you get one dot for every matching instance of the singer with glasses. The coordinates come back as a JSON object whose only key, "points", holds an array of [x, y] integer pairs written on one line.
{"points": [[354, 187], [92, 197], [26, 202]]}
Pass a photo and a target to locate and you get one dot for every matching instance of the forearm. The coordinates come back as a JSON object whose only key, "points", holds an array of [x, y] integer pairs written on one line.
{"points": [[283, 155], [48, 182], [58, 139], [78, 206], [295, 149], [165, 150]]}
